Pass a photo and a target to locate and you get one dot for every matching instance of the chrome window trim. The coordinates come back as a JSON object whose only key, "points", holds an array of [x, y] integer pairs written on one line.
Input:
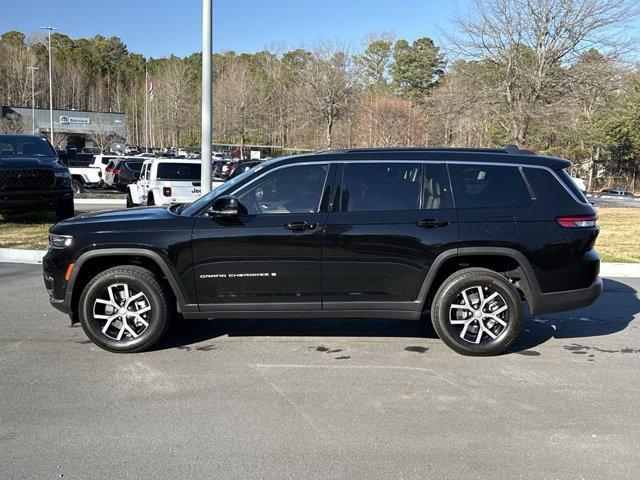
{"points": [[461, 162]]}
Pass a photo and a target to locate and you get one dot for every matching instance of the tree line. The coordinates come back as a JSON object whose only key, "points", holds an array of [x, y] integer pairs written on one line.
{"points": [[552, 76]]}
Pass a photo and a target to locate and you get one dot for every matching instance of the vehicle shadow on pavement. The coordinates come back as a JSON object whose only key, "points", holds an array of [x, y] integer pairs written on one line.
{"points": [[611, 313], [187, 332]]}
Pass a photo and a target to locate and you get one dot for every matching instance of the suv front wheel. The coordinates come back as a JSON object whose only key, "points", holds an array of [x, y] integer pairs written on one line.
{"points": [[124, 309], [477, 311]]}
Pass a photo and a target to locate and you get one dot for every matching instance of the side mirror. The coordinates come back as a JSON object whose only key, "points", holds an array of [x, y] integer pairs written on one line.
{"points": [[226, 206]]}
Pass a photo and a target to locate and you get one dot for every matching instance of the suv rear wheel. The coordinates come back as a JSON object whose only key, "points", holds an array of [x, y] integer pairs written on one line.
{"points": [[477, 311], [124, 309]]}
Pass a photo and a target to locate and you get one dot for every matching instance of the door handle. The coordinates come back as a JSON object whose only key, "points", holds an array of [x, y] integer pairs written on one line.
{"points": [[432, 223], [300, 226]]}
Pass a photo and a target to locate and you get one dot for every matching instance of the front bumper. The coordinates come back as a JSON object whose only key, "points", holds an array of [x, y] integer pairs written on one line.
{"points": [[27, 198], [54, 265], [567, 300]]}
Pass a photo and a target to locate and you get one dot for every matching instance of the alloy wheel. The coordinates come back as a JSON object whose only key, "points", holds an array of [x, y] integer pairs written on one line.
{"points": [[480, 314], [121, 312]]}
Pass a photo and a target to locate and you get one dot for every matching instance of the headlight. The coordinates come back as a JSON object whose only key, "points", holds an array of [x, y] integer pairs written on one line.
{"points": [[59, 241], [62, 174]]}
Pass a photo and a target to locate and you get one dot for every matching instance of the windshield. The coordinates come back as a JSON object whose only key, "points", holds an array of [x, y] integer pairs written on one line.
{"points": [[193, 207], [25, 146], [178, 171]]}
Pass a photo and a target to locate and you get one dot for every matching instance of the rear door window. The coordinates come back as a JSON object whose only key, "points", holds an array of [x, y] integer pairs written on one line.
{"points": [[377, 187], [436, 189], [488, 186]]}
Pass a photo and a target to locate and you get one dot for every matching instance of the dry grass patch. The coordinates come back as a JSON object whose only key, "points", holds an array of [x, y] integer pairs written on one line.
{"points": [[619, 239], [29, 230]]}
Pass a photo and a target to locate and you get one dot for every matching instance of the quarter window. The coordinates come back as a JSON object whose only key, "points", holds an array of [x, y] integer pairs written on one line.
{"points": [[488, 186], [289, 190]]}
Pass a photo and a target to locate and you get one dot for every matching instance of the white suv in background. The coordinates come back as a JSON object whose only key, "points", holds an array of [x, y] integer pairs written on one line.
{"points": [[165, 181]]}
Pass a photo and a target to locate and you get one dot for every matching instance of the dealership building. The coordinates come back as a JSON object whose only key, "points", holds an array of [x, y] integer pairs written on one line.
{"points": [[80, 128]]}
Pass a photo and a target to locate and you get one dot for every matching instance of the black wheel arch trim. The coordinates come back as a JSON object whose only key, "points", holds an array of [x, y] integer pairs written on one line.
{"points": [[66, 305], [531, 290]]}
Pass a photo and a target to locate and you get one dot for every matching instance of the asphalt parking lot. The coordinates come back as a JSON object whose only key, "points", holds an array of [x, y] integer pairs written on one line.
{"points": [[318, 398]]}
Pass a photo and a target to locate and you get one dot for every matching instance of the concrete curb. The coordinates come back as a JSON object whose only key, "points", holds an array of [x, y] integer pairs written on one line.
{"points": [[620, 270], [16, 255], [100, 201]]}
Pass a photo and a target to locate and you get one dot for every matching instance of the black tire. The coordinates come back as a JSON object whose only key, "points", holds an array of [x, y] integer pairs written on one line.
{"points": [[138, 279], [150, 199], [450, 293], [64, 209], [77, 186], [130, 203]]}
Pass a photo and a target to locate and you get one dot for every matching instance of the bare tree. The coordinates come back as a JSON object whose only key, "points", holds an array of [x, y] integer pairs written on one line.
{"points": [[529, 40], [327, 80]]}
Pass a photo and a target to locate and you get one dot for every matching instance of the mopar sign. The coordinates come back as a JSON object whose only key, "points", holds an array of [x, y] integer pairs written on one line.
{"points": [[74, 120]]}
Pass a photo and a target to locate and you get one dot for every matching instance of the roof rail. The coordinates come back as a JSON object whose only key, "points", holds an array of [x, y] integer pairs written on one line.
{"points": [[507, 149]]}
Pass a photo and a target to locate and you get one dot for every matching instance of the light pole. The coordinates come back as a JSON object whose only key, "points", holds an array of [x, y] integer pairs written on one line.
{"points": [[33, 99], [49, 29], [205, 146]]}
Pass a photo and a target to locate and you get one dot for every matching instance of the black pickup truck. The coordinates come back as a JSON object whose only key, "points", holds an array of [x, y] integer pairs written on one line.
{"points": [[32, 177]]}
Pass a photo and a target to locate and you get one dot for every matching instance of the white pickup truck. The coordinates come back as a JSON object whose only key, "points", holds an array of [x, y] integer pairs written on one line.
{"points": [[165, 181]]}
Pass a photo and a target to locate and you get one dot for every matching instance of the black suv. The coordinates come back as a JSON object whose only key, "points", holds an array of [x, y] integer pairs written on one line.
{"points": [[32, 177], [464, 234]]}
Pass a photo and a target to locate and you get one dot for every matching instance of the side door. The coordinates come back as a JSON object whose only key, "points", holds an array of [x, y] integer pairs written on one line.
{"points": [[389, 222], [268, 258]]}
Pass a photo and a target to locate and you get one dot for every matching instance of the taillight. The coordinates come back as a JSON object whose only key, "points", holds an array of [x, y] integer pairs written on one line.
{"points": [[116, 171], [108, 169], [166, 191], [583, 221]]}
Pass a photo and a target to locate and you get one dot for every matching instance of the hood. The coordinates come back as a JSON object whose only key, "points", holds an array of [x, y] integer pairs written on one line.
{"points": [[28, 162], [139, 214]]}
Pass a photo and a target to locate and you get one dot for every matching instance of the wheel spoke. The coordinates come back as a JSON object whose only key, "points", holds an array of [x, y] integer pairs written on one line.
{"points": [[479, 336], [119, 337], [131, 330], [500, 310], [106, 302], [464, 330], [142, 320], [489, 298], [108, 323], [496, 318], [126, 292], [481, 295], [466, 299], [461, 307], [111, 296], [143, 310], [489, 332], [135, 297], [460, 322]]}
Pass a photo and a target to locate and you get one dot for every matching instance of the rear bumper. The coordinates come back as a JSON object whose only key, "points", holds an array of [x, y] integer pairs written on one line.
{"points": [[567, 300]]}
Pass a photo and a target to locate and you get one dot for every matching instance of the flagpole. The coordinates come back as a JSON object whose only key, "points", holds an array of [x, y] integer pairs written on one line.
{"points": [[146, 108]]}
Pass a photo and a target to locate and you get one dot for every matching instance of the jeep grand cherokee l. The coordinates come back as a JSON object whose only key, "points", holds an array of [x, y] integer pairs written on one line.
{"points": [[32, 178], [466, 235]]}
